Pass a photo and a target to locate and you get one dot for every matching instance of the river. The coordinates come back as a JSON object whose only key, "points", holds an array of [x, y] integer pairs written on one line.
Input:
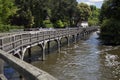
{"points": [[88, 59]]}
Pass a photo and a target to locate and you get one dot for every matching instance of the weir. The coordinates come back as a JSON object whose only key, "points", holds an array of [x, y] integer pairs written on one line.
{"points": [[13, 44]]}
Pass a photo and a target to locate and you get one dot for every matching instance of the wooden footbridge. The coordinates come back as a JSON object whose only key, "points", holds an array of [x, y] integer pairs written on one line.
{"points": [[17, 43]]}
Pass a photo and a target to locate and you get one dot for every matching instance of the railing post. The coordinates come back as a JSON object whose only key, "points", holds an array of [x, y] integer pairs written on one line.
{"points": [[30, 38], [13, 39], [43, 36], [75, 39], [1, 44], [37, 36]]}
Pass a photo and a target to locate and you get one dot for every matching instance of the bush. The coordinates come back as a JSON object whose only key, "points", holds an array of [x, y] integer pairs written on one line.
{"points": [[47, 24], [93, 22], [58, 24], [6, 28], [66, 23], [110, 31]]}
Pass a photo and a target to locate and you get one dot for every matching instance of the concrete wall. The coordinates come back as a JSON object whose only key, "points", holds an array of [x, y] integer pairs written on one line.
{"points": [[27, 70]]}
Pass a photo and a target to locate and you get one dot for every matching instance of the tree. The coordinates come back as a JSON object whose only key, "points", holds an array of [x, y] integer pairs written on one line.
{"points": [[34, 13], [63, 10], [7, 8], [40, 11], [94, 17], [110, 9], [84, 12], [110, 18], [23, 15]]}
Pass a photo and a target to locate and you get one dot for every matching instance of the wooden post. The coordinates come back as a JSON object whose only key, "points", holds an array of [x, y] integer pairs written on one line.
{"points": [[1, 61], [43, 53], [29, 54], [75, 38], [1, 66], [48, 47], [13, 39], [68, 42], [59, 47]]}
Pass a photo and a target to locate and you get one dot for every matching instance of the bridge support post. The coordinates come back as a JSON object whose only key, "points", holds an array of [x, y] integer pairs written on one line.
{"points": [[1, 66], [48, 47], [68, 41], [29, 52], [75, 38], [58, 46], [43, 53]]}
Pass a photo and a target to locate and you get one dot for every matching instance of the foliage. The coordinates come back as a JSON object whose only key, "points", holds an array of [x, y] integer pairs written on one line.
{"points": [[43, 13], [22, 19], [110, 19], [110, 31], [110, 9], [40, 10], [66, 23], [93, 22], [84, 11], [6, 28], [64, 10], [59, 24], [7, 8], [82, 14], [94, 17], [47, 24], [23, 16]]}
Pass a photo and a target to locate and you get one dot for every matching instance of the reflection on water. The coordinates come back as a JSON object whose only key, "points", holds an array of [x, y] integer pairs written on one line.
{"points": [[85, 60]]}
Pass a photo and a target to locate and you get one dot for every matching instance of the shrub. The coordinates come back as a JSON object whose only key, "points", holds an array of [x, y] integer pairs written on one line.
{"points": [[110, 31], [93, 22], [59, 24], [6, 28], [66, 23], [47, 24]]}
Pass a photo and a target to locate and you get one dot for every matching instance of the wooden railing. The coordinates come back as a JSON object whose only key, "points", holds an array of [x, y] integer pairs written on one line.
{"points": [[11, 41]]}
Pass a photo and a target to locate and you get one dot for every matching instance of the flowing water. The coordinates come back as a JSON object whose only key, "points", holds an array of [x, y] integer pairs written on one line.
{"points": [[85, 60]]}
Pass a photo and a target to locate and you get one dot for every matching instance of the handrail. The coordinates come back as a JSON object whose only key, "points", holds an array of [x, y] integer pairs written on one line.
{"points": [[8, 42], [27, 70]]}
